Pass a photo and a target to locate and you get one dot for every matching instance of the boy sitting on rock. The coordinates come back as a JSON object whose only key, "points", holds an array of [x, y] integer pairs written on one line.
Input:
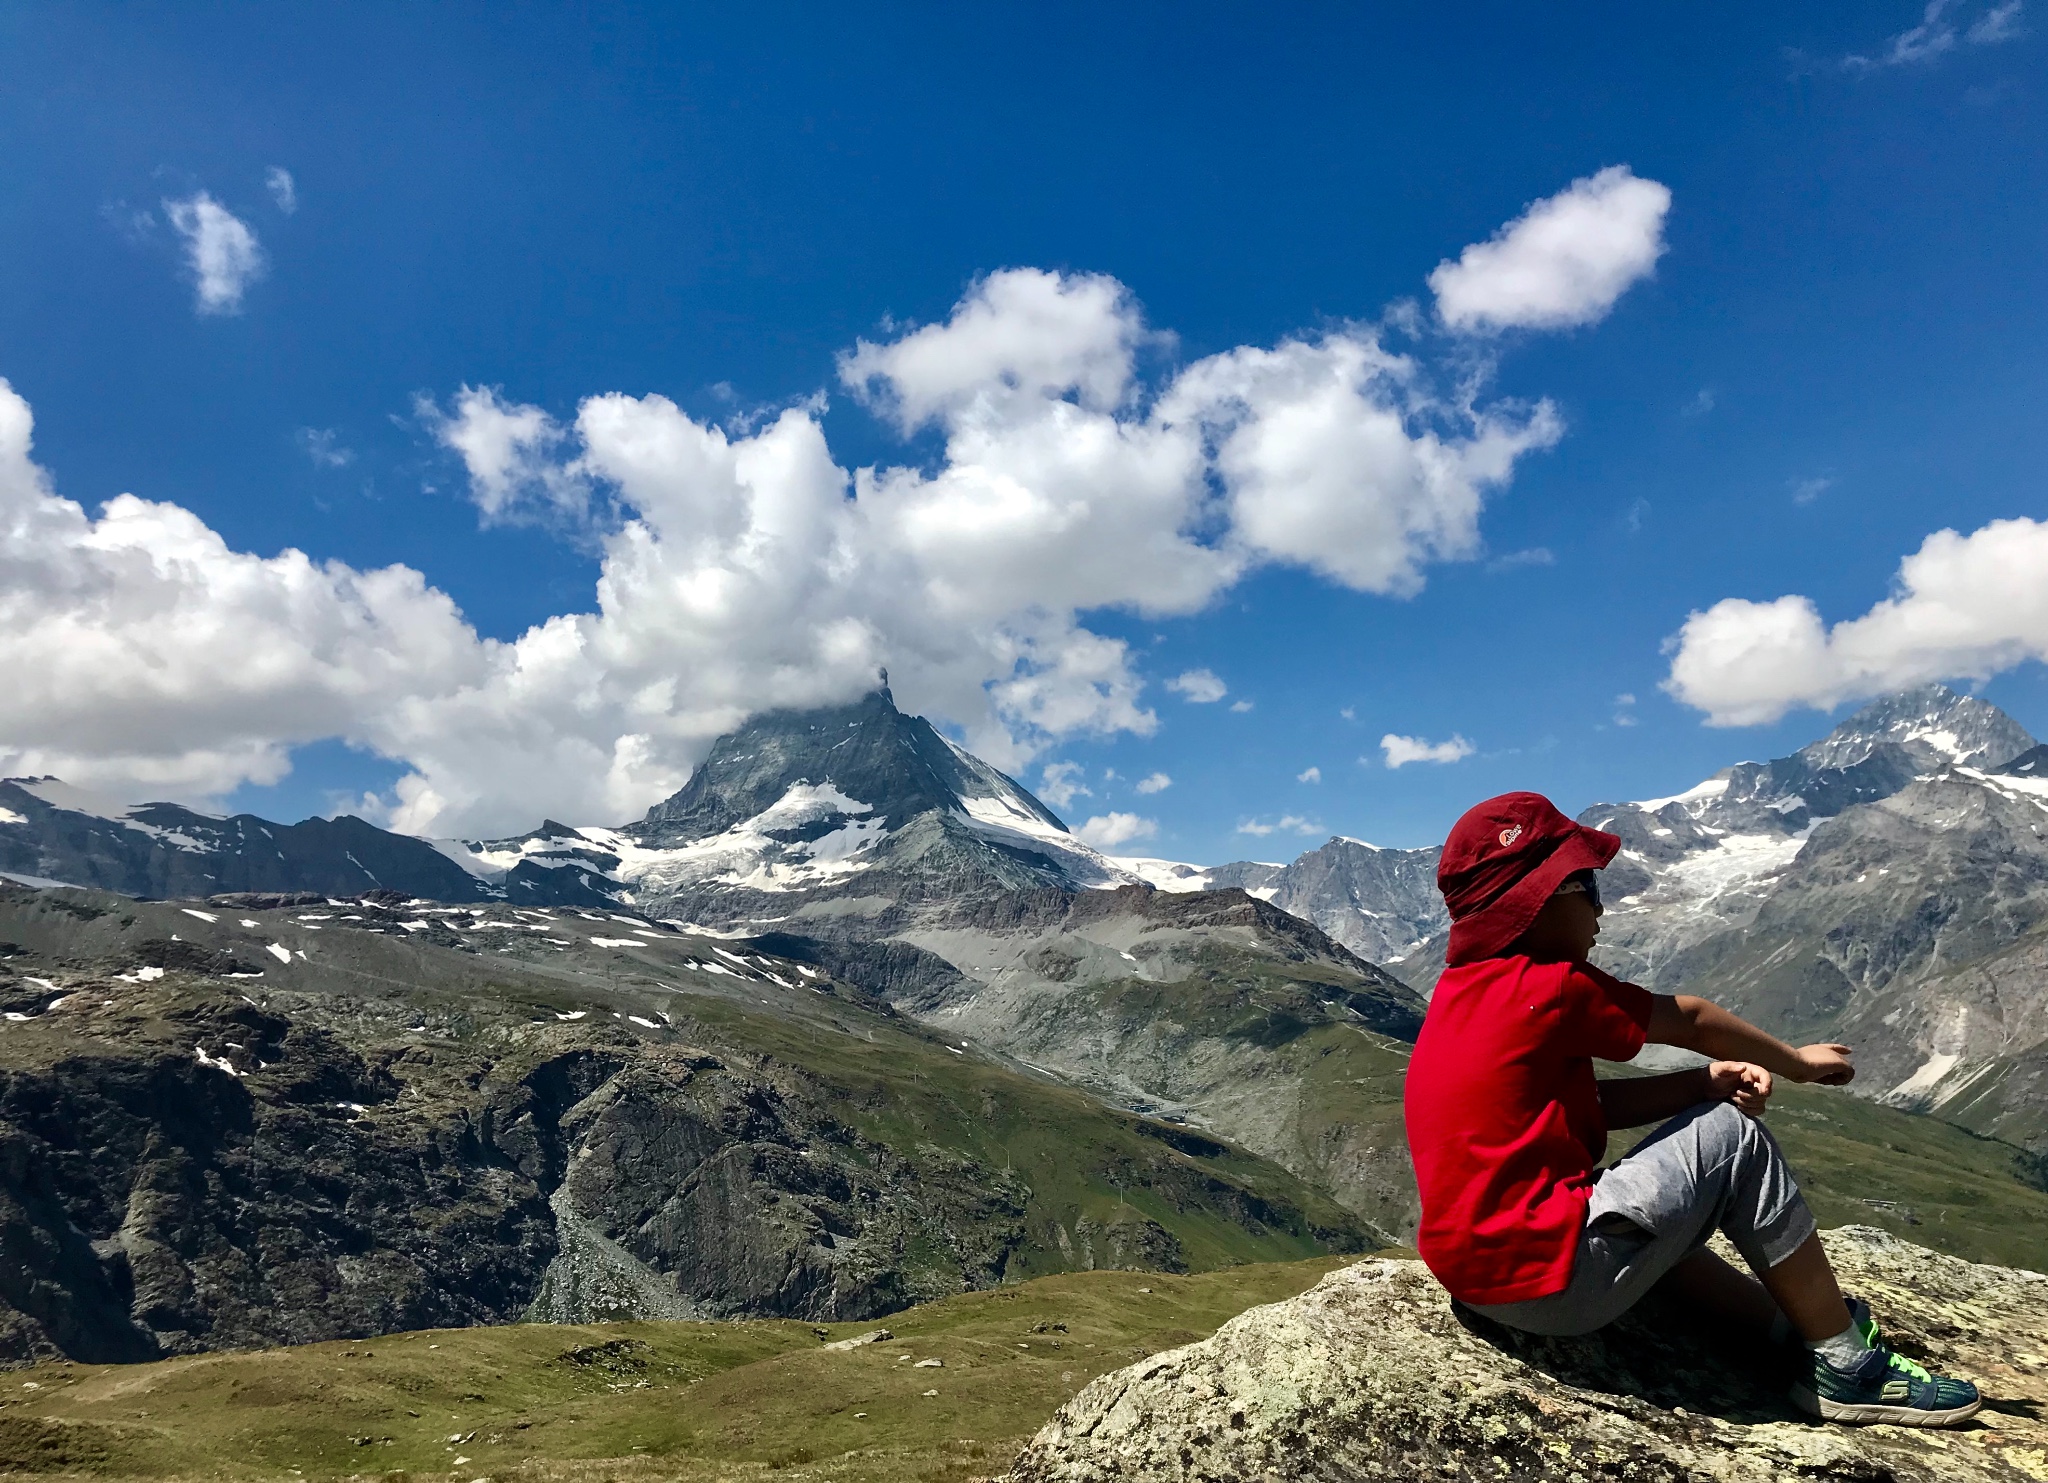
{"points": [[1506, 1124]]}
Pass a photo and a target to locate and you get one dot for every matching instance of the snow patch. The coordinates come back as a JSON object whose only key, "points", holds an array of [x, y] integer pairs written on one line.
{"points": [[1697, 793], [1163, 875], [1924, 1080]]}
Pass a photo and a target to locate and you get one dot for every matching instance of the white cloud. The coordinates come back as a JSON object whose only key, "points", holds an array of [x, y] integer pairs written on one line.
{"points": [[320, 445], [283, 189], [1964, 606], [743, 567], [1349, 713], [1198, 687], [189, 668], [1107, 831], [2000, 23], [1334, 456], [1402, 750], [1158, 782], [1240, 706], [1806, 491], [221, 251], [509, 453], [1286, 824], [1515, 560], [1937, 35], [1060, 783], [1563, 262], [1309, 775]]}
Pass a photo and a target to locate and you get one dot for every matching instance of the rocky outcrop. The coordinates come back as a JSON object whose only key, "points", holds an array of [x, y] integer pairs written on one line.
{"points": [[1372, 1376]]}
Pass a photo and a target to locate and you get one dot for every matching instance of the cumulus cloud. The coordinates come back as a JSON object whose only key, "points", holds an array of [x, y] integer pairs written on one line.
{"points": [[1941, 32], [1563, 262], [743, 566], [1309, 775], [1240, 706], [1964, 606], [1060, 783], [1107, 831], [1157, 782], [189, 668], [1198, 687], [1399, 751], [509, 452], [1806, 491], [220, 249], [283, 189]]}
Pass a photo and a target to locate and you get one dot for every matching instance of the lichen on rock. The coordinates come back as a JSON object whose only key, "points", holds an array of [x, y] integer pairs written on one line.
{"points": [[1371, 1375]]}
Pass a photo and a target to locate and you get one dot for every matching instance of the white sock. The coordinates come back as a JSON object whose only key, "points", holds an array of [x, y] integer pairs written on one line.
{"points": [[1845, 1351]]}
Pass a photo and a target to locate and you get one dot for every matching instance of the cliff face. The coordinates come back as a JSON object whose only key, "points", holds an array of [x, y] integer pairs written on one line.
{"points": [[1370, 1375]]}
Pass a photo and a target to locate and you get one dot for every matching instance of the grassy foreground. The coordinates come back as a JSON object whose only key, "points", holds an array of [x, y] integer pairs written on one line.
{"points": [[631, 1401]]}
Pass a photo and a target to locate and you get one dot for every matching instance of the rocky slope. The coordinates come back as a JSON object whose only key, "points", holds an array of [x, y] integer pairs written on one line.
{"points": [[53, 832], [251, 1121], [1382, 904], [1371, 1376]]}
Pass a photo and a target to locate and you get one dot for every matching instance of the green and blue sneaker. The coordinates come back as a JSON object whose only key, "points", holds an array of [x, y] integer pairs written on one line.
{"points": [[1887, 1387]]}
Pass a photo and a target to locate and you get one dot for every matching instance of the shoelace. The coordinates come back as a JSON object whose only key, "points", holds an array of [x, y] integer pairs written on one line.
{"points": [[1899, 1361]]}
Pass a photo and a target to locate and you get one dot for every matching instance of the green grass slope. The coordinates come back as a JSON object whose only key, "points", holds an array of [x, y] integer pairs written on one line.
{"points": [[631, 1401]]}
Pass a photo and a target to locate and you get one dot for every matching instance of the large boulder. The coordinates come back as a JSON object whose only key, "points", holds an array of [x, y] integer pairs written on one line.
{"points": [[1372, 1375]]}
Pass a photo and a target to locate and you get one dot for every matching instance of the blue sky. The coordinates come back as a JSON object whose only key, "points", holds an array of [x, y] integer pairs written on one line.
{"points": [[1837, 354]]}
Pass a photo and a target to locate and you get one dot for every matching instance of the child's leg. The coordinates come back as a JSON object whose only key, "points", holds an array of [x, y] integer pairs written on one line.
{"points": [[1804, 1286], [1705, 1283]]}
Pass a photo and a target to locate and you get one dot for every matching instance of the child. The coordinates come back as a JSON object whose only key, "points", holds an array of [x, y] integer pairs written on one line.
{"points": [[1506, 1125]]}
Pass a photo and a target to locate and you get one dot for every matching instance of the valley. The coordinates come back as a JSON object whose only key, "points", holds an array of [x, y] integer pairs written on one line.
{"points": [[852, 1023]]}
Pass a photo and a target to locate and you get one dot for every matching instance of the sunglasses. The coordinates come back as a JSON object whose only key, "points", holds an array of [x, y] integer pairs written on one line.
{"points": [[1585, 881]]}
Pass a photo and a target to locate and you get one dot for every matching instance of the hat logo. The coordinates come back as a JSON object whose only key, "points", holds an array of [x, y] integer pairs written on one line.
{"points": [[1509, 836]]}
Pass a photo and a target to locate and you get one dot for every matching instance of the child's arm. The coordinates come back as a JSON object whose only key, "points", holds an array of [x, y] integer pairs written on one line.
{"points": [[1631, 1101], [1694, 1024]]}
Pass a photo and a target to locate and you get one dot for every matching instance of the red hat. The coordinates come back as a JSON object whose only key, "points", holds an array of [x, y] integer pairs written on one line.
{"points": [[1503, 860]]}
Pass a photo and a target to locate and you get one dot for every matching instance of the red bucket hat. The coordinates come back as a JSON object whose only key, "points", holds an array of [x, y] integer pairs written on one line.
{"points": [[1503, 860]]}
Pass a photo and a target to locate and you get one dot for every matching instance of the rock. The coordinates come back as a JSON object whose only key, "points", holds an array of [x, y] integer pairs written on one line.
{"points": [[1371, 1376], [872, 1336], [929, 1364]]}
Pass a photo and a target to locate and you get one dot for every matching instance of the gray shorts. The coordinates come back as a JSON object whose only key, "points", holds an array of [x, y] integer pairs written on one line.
{"points": [[1710, 1168]]}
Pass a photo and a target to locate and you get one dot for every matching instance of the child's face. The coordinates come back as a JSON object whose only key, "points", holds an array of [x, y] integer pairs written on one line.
{"points": [[1565, 930]]}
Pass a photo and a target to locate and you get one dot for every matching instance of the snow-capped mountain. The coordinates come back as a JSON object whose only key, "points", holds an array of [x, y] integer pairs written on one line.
{"points": [[1706, 860], [1380, 903], [792, 802], [798, 803]]}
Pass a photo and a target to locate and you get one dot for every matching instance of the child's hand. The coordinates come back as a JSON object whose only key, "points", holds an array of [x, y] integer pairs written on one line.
{"points": [[1747, 1086], [1826, 1064]]}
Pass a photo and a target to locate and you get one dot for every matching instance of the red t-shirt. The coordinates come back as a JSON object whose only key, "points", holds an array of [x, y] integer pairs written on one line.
{"points": [[1504, 1119]]}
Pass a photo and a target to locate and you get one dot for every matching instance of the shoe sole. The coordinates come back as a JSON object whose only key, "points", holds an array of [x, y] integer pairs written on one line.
{"points": [[1878, 1414]]}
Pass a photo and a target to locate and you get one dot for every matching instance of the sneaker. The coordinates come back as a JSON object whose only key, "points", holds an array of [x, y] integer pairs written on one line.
{"points": [[1886, 1387]]}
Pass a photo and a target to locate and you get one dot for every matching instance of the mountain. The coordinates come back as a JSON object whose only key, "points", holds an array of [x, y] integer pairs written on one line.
{"points": [[1847, 891], [52, 831], [1382, 904], [223, 1126], [1887, 884]]}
